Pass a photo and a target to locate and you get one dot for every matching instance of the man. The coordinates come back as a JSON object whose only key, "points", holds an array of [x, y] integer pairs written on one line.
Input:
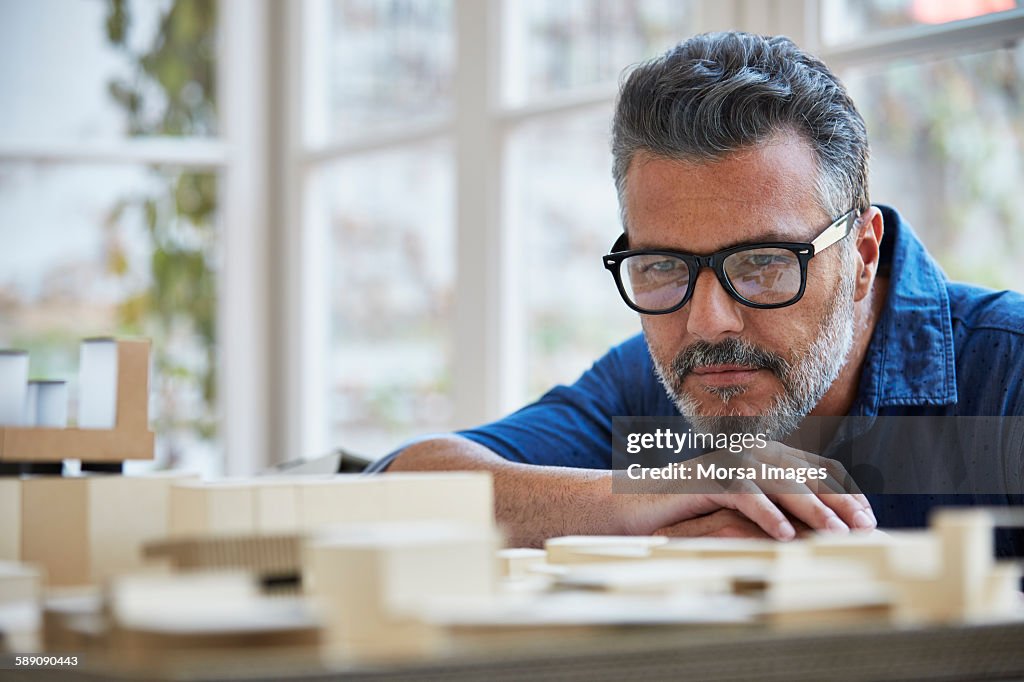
{"points": [[733, 153]]}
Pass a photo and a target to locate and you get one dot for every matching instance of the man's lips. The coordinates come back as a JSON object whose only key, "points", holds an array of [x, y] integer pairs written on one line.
{"points": [[725, 375], [718, 369]]}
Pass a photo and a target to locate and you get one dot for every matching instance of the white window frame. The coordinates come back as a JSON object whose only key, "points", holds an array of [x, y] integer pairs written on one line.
{"points": [[488, 331], [489, 374], [239, 157]]}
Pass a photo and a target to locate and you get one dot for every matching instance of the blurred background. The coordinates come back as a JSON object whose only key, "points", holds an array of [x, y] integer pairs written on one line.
{"points": [[351, 222]]}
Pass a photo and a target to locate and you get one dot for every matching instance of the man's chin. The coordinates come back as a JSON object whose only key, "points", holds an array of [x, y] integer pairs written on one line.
{"points": [[726, 403], [739, 416]]}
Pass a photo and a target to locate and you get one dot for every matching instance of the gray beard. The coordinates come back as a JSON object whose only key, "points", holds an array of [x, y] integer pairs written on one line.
{"points": [[805, 380]]}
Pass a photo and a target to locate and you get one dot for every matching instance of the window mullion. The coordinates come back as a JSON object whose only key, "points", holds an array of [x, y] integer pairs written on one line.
{"points": [[243, 287], [984, 32], [487, 343]]}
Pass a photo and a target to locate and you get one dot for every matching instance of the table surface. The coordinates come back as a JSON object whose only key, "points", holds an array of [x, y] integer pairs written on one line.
{"points": [[980, 652]]}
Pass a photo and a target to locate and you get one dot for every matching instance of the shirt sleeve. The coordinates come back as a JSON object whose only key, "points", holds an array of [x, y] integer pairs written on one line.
{"points": [[570, 425]]}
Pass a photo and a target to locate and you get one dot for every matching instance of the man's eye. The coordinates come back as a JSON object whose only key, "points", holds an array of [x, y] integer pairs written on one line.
{"points": [[667, 265], [761, 259]]}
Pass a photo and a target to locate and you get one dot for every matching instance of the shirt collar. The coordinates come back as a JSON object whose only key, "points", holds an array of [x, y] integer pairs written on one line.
{"points": [[910, 358]]}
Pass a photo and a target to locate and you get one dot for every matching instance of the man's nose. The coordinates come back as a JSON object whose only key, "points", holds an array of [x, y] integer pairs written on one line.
{"points": [[713, 313]]}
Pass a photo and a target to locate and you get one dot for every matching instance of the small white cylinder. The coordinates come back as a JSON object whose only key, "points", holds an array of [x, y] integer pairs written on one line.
{"points": [[13, 386], [97, 388], [47, 404]]}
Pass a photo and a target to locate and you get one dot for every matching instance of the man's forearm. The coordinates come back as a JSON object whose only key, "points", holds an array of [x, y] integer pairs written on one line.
{"points": [[534, 502], [531, 502]]}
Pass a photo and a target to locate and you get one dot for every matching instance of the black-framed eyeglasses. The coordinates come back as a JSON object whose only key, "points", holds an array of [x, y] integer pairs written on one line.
{"points": [[763, 275]]}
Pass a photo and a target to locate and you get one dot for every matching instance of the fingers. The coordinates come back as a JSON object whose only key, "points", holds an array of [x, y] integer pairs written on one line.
{"points": [[838, 512], [854, 510], [724, 523], [836, 496], [784, 487], [802, 529], [755, 505], [812, 510]]}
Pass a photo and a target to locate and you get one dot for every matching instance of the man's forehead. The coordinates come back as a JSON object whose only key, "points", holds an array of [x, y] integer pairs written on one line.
{"points": [[760, 194]]}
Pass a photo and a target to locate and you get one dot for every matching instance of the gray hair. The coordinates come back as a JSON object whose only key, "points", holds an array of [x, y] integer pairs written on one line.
{"points": [[717, 93]]}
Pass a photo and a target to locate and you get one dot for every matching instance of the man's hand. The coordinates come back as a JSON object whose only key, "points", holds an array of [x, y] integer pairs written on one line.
{"points": [[724, 523], [830, 504]]}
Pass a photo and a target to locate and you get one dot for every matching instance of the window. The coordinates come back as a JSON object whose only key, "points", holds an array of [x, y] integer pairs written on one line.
{"points": [[392, 270], [942, 101], [560, 195], [556, 47], [387, 63], [352, 222], [429, 275], [845, 20], [98, 243], [562, 200], [376, 125]]}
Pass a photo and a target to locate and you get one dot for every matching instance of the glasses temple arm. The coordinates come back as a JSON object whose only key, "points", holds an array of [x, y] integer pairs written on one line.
{"points": [[834, 232]]}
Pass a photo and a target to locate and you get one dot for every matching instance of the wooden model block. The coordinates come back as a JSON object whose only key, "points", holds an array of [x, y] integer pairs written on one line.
{"points": [[129, 439], [464, 497], [73, 619], [571, 549], [967, 585], [221, 508], [371, 580], [277, 506], [914, 554], [129, 511], [1002, 590], [962, 588], [968, 553], [460, 496], [344, 498], [517, 562], [272, 506], [10, 519], [135, 599], [85, 529], [728, 548], [268, 556], [157, 620], [308, 503], [886, 556], [654, 577], [19, 582], [841, 608], [55, 528], [20, 614], [809, 581]]}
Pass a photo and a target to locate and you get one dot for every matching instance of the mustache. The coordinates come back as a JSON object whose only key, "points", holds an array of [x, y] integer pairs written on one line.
{"points": [[731, 351]]}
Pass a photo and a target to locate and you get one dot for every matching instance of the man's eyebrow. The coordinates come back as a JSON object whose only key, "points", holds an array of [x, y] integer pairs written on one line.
{"points": [[771, 236]]}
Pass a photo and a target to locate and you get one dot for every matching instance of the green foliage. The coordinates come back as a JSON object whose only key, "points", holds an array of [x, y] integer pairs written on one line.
{"points": [[172, 89], [171, 93]]}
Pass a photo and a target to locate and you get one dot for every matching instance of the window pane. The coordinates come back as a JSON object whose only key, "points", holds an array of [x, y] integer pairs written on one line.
{"points": [[847, 19], [81, 69], [553, 47], [122, 250], [562, 200], [947, 143], [392, 264], [389, 62]]}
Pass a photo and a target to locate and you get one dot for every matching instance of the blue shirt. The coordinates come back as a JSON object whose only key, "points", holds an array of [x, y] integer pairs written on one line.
{"points": [[940, 348]]}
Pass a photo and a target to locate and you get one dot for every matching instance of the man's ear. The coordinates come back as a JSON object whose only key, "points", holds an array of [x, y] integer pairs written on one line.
{"points": [[869, 239]]}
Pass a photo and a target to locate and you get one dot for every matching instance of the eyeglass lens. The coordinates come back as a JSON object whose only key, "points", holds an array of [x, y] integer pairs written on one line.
{"points": [[766, 276]]}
